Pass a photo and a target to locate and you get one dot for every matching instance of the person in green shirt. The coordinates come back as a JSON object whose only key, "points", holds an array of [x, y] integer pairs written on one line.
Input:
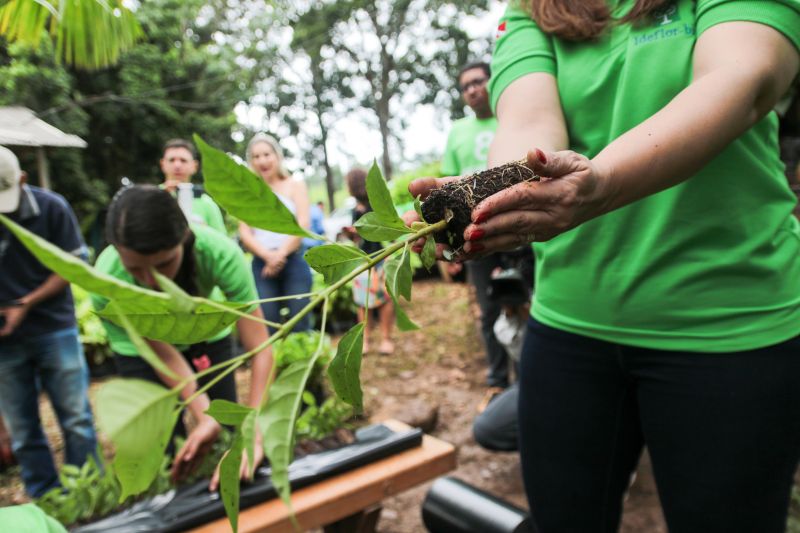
{"points": [[466, 152], [667, 304], [148, 231], [179, 163]]}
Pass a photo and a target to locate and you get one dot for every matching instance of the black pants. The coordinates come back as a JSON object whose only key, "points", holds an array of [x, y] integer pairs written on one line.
{"points": [[199, 356], [723, 432], [479, 273], [496, 428]]}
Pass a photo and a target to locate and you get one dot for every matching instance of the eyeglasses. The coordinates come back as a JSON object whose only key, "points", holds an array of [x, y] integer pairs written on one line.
{"points": [[477, 83]]}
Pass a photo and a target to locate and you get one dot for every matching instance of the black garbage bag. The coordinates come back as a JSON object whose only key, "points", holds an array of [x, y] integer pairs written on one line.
{"points": [[194, 505]]}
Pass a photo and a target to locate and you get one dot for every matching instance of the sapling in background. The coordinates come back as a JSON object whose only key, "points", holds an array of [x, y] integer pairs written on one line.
{"points": [[139, 416]]}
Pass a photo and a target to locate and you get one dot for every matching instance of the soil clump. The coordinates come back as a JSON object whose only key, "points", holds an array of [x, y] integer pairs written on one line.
{"points": [[455, 201]]}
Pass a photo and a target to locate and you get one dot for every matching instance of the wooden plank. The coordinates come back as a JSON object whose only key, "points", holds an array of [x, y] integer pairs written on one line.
{"points": [[348, 493]]}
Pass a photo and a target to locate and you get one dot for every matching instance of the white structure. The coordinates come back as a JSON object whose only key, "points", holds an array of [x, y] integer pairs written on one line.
{"points": [[19, 126]]}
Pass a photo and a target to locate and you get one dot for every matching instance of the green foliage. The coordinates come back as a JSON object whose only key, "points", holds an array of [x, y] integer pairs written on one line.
{"points": [[335, 261], [399, 185], [90, 328], [88, 34], [277, 422], [317, 422], [245, 195], [382, 223], [243, 419], [301, 346], [345, 369], [154, 315], [138, 416]]}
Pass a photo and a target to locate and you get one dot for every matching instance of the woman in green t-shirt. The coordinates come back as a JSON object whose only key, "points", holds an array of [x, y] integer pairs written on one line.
{"points": [[148, 231], [667, 305]]}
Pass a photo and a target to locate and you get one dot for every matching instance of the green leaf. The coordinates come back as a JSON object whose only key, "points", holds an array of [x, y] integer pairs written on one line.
{"points": [[335, 261], [177, 327], [244, 195], [229, 486], [243, 418], [138, 416], [399, 274], [345, 368], [379, 196], [428, 254], [278, 420], [144, 349], [373, 228], [71, 268], [183, 302], [401, 318]]}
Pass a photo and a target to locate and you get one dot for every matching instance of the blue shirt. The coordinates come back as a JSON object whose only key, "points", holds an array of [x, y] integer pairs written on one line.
{"points": [[49, 216]]}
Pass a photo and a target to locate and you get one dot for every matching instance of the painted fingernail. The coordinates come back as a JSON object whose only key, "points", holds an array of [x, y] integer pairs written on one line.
{"points": [[475, 247], [540, 155], [482, 217], [476, 234]]}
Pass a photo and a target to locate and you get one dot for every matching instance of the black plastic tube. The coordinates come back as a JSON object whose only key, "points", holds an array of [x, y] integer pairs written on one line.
{"points": [[453, 506]]}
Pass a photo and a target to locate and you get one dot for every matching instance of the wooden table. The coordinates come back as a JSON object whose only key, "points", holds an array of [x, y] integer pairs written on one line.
{"points": [[348, 502]]}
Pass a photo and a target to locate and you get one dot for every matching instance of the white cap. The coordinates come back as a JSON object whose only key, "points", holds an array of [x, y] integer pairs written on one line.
{"points": [[9, 181]]}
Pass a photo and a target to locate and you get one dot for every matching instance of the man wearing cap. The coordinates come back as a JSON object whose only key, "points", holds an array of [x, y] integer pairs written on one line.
{"points": [[39, 346]]}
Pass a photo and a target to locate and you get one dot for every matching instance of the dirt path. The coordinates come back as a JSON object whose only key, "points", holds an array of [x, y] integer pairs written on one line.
{"points": [[441, 365]]}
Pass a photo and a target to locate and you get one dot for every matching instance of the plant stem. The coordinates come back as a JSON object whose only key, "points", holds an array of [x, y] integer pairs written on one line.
{"points": [[285, 328]]}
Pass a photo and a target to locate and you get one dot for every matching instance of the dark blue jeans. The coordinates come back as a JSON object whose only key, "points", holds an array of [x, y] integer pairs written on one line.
{"points": [[54, 363], [295, 278], [722, 430]]}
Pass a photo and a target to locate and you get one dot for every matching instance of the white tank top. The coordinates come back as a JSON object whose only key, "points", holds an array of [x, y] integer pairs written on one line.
{"points": [[269, 239]]}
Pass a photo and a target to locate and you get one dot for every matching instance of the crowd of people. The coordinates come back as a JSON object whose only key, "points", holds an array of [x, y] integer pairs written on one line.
{"points": [[666, 308]]}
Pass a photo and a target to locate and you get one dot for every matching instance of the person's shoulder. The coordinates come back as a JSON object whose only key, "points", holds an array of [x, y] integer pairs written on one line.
{"points": [[209, 239], [47, 199], [463, 123]]}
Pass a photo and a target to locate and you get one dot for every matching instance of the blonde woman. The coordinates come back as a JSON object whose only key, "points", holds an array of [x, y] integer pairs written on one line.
{"points": [[278, 265]]}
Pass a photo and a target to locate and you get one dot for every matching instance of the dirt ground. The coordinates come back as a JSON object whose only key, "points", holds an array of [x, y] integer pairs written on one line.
{"points": [[443, 366]]}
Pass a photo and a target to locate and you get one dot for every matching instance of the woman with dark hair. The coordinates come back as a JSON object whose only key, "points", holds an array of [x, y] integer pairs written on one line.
{"points": [[667, 304], [148, 231]]}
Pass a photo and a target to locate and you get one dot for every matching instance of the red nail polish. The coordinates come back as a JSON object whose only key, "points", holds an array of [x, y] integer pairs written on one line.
{"points": [[476, 234], [483, 217], [475, 247], [540, 155]]}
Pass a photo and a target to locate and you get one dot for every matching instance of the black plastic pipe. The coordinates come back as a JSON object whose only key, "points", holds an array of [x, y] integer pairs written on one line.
{"points": [[453, 506]]}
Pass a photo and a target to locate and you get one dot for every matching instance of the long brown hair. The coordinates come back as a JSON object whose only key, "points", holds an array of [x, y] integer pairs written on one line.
{"points": [[583, 20]]}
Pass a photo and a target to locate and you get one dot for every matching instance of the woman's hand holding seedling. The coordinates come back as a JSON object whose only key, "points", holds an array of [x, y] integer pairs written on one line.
{"points": [[505, 207]]}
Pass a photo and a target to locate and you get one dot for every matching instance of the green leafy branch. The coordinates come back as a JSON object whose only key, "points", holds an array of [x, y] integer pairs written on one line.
{"points": [[139, 416]]}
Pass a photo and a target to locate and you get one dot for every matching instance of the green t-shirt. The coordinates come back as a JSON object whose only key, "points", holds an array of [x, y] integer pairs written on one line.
{"points": [[219, 263], [710, 265], [207, 212], [468, 146]]}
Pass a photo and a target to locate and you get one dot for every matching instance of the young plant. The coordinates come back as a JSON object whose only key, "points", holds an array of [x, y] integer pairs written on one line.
{"points": [[139, 416]]}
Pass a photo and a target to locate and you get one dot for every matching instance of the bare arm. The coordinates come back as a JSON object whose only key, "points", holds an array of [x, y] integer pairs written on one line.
{"points": [[252, 335], [741, 70], [303, 215], [528, 114], [53, 285], [249, 241], [177, 363]]}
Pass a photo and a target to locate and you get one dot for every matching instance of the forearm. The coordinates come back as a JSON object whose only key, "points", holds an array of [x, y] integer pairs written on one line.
{"points": [[249, 241], [678, 141], [289, 246], [254, 334], [740, 72], [524, 123], [52, 286], [175, 361]]}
